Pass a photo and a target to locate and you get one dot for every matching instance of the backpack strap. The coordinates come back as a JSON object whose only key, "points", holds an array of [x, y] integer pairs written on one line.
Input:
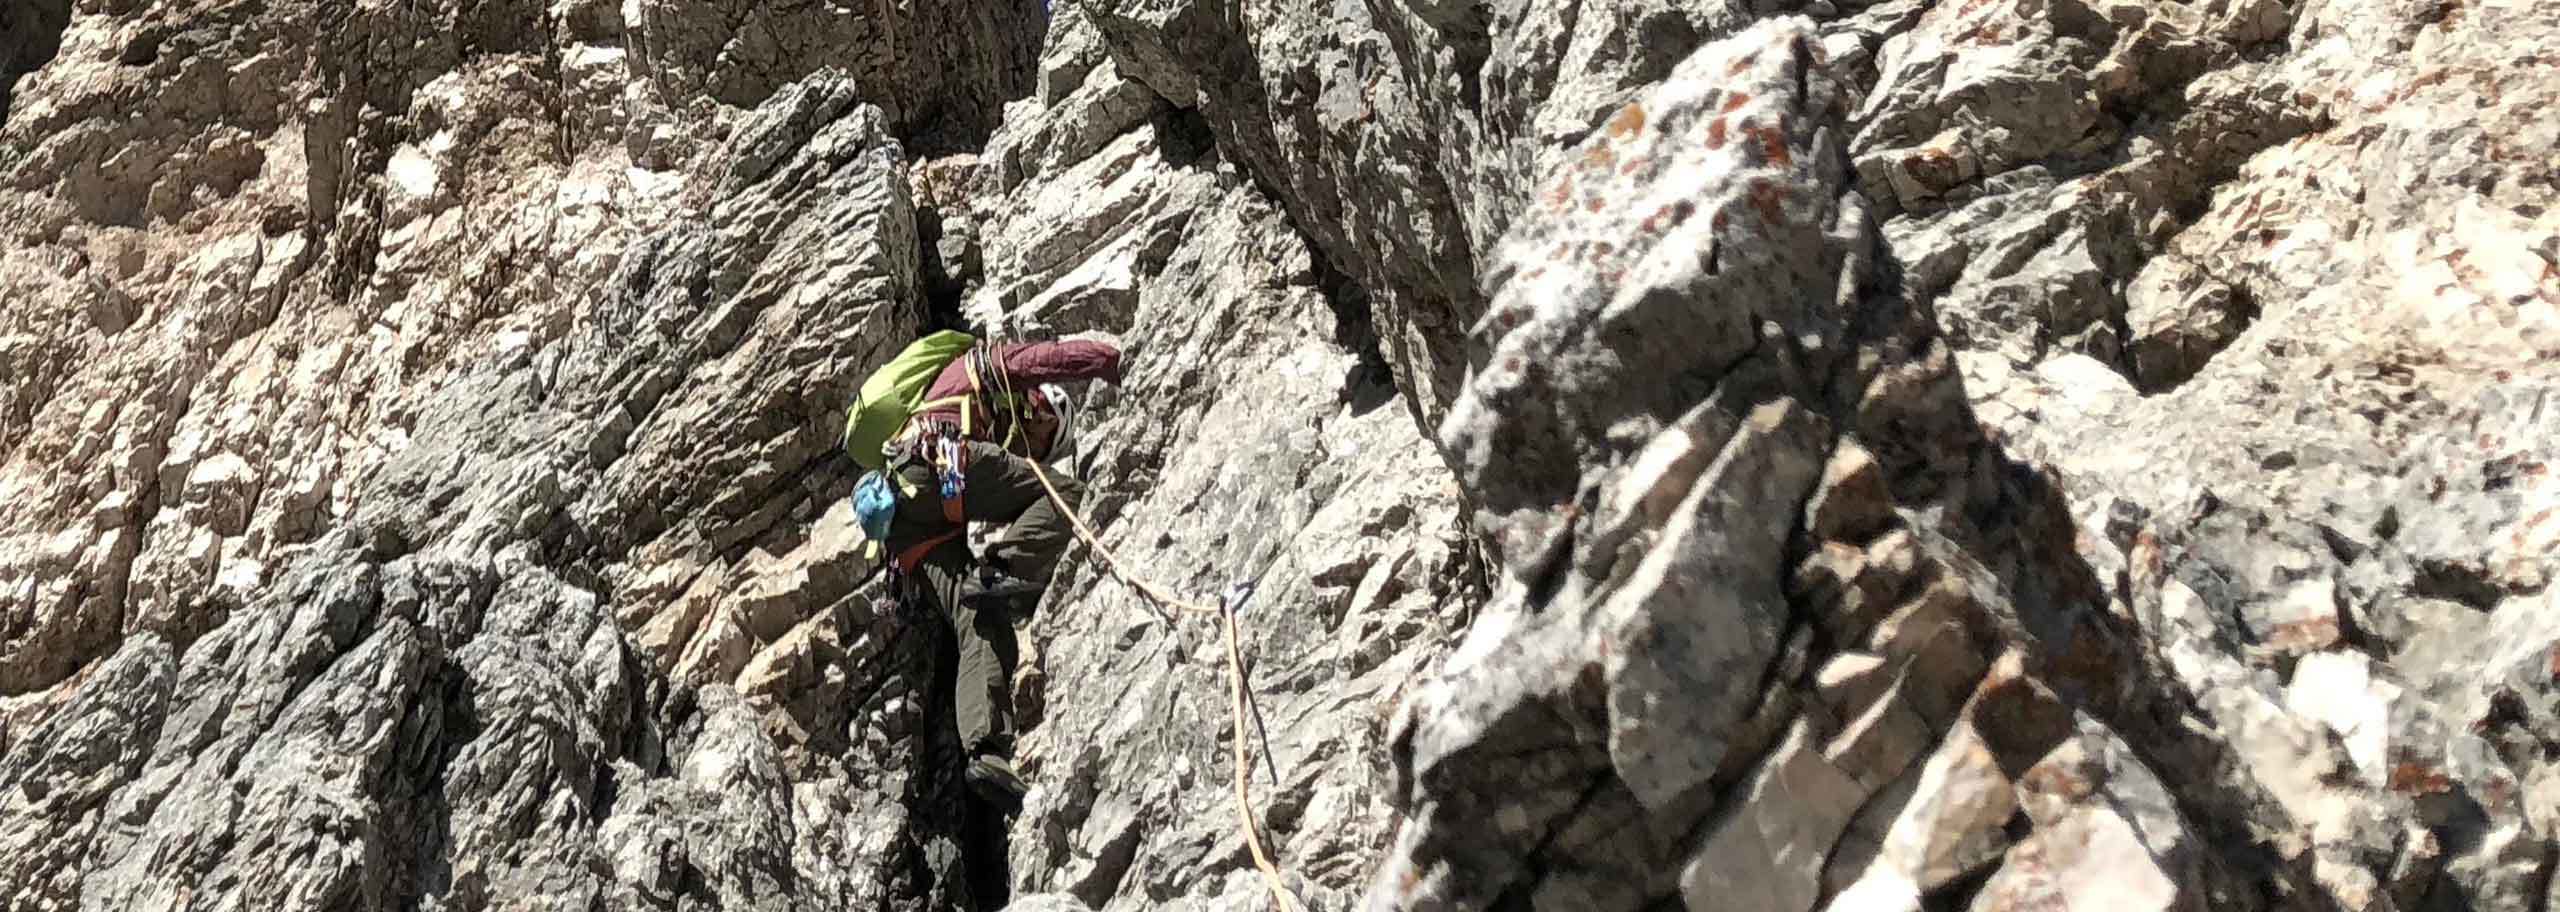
{"points": [[914, 555], [977, 388]]}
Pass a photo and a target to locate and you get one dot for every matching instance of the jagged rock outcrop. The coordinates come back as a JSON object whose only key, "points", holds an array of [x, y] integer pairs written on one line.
{"points": [[1855, 455], [1806, 635]]}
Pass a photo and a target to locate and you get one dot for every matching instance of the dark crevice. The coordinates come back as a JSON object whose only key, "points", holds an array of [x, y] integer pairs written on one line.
{"points": [[1958, 894], [555, 91], [1546, 572], [1371, 382], [2164, 366], [958, 848], [144, 49], [988, 845], [1111, 867], [942, 120], [1471, 53], [691, 889], [1521, 892], [439, 726], [1183, 137], [2459, 581], [947, 262], [2539, 886], [930, 133], [30, 34], [353, 137]]}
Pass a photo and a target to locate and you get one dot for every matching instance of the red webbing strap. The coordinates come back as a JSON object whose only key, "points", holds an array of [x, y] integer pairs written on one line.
{"points": [[915, 553]]}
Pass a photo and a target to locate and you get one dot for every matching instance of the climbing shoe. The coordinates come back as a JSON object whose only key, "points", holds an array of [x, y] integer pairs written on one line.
{"points": [[992, 778], [993, 583]]}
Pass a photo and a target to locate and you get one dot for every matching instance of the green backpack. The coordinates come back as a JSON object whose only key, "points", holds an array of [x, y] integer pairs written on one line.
{"points": [[895, 391]]}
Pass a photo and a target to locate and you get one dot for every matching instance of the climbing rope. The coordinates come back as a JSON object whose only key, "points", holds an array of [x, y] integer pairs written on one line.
{"points": [[1236, 692], [1235, 685]]}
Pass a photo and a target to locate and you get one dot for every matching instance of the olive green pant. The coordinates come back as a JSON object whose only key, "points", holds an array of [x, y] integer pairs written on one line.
{"points": [[1001, 489]]}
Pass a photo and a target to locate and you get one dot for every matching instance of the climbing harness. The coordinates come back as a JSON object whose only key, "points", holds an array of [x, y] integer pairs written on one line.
{"points": [[877, 494]]}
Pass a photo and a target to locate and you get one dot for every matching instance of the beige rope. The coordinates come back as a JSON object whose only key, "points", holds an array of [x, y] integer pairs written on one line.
{"points": [[1236, 707], [1235, 685]]}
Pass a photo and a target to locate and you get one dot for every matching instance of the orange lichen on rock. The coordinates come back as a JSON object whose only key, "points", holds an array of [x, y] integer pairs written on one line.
{"points": [[1629, 120], [1773, 145], [1770, 200]]}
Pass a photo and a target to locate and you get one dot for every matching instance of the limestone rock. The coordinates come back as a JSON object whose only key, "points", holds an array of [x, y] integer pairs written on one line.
{"points": [[1793, 455]]}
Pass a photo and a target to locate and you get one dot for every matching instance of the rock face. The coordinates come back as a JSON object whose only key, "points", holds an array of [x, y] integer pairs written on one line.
{"points": [[1863, 610], [1841, 455]]}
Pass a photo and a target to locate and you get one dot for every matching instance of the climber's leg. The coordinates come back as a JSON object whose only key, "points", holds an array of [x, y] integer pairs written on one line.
{"points": [[983, 667], [1033, 543], [1036, 531]]}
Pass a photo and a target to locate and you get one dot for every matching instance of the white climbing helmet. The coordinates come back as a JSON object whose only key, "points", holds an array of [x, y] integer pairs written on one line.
{"points": [[1064, 407]]}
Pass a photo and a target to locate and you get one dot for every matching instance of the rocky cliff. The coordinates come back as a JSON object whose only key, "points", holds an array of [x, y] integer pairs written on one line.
{"points": [[1996, 454]]}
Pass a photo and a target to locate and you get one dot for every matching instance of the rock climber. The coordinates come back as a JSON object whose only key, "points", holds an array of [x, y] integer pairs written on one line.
{"points": [[987, 415]]}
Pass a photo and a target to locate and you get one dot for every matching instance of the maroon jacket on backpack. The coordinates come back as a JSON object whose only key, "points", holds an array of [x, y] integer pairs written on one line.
{"points": [[1027, 364]]}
